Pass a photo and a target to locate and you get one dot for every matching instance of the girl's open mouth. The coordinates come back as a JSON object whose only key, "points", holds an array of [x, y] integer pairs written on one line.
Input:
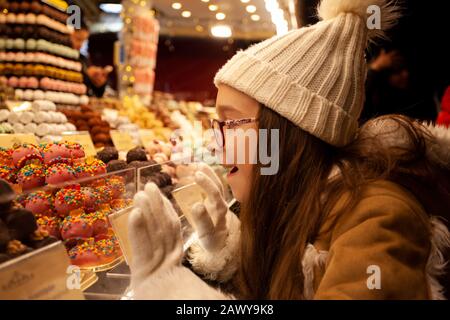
{"points": [[233, 171]]}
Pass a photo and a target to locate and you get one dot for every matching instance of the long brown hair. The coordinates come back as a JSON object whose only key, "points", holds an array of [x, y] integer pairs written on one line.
{"points": [[284, 211]]}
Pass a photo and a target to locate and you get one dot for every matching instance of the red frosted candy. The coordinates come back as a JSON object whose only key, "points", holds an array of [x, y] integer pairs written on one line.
{"points": [[51, 225], [55, 152], [117, 186], [59, 173], [67, 200], [108, 249], [83, 171], [84, 255], [100, 227], [31, 176], [91, 199], [8, 173], [40, 203], [118, 204], [76, 227], [97, 166], [76, 150], [105, 193], [23, 154], [6, 157], [99, 222]]}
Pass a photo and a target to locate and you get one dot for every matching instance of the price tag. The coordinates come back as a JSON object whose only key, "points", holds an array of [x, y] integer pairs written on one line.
{"points": [[119, 223], [147, 136], [44, 274], [122, 140], [83, 138], [186, 197], [9, 140]]}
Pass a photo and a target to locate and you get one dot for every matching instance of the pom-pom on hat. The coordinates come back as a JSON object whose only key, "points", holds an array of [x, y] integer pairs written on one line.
{"points": [[314, 76]]}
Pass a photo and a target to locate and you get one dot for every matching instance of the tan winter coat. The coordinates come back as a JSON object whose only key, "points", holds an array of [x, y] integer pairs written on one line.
{"points": [[385, 248]]}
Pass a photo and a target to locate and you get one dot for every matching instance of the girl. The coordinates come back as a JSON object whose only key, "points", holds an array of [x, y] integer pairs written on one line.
{"points": [[350, 213]]}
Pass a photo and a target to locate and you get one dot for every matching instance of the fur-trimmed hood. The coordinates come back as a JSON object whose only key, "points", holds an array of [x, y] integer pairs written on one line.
{"points": [[434, 194]]}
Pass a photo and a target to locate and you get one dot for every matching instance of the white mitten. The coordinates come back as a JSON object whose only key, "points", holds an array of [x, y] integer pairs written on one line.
{"points": [[155, 238], [216, 254], [155, 234]]}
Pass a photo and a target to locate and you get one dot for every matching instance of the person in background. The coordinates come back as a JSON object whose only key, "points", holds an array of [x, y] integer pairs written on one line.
{"points": [[444, 115], [95, 77], [389, 90]]}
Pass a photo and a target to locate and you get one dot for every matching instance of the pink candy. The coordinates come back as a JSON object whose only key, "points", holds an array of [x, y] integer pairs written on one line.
{"points": [[13, 82]]}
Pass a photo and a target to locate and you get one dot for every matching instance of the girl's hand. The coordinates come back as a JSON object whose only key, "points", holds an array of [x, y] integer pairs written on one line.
{"points": [[210, 217], [155, 234]]}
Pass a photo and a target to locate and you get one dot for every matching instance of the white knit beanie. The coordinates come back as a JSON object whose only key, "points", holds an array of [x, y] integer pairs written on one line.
{"points": [[314, 76]]}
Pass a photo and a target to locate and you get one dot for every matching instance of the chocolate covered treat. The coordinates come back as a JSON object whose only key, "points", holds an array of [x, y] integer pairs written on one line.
{"points": [[116, 165], [6, 197], [150, 167], [108, 154], [21, 223], [167, 191], [161, 179], [136, 154]]}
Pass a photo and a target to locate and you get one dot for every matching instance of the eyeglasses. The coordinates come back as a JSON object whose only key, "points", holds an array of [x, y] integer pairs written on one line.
{"points": [[218, 126]]}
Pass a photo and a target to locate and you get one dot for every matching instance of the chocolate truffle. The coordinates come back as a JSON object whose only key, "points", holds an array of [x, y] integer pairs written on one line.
{"points": [[167, 180], [21, 223], [136, 154], [167, 191], [116, 165], [108, 154], [151, 167], [161, 179]]}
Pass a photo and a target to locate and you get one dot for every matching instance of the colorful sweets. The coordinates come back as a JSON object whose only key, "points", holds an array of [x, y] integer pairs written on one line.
{"points": [[59, 173], [51, 225], [40, 203], [25, 153], [31, 176], [76, 226], [117, 186], [91, 199], [68, 200], [55, 152]]}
